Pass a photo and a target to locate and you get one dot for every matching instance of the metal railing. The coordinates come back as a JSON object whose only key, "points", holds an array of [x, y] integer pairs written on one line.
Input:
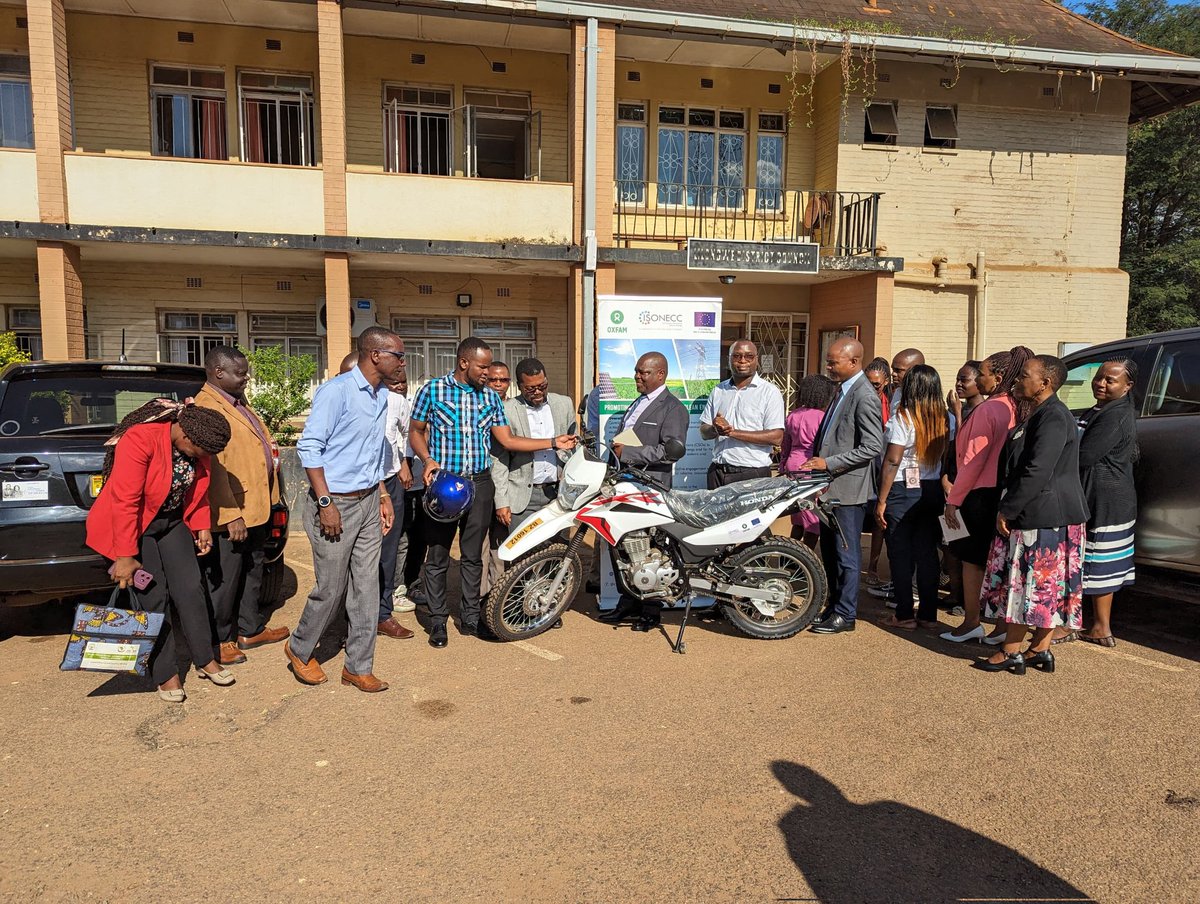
{"points": [[842, 223]]}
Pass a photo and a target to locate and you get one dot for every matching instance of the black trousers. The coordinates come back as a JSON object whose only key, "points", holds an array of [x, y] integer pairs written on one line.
{"points": [[389, 547], [912, 542], [233, 573], [416, 526], [471, 530], [719, 477], [168, 552]]}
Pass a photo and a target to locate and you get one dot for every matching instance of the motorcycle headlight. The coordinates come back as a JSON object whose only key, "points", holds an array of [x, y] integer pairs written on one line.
{"points": [[568, 493]]}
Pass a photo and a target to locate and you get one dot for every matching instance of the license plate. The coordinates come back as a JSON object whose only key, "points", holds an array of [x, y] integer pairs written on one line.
{"points": [[97, 484], [25, 490]]}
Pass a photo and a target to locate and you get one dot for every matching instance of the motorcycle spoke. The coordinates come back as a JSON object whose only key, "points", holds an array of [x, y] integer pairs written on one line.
{"points": [[778, 566]]}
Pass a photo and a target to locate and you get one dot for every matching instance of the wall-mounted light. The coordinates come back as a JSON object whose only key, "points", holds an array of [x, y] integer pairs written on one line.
{"points": [[727, 279], [463, 300]]}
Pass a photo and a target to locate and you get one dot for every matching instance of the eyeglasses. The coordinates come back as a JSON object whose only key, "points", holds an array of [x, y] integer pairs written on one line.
{"points": [[540, 388], [399, 356], [744, 356], [499, 379]]}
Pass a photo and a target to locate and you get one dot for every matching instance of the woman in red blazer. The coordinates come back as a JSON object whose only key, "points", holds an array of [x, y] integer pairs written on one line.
{"points": [[152, 513]]}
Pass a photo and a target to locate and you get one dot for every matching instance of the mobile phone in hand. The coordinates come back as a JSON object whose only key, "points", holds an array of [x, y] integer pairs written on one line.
{"points": [[141, 578]]}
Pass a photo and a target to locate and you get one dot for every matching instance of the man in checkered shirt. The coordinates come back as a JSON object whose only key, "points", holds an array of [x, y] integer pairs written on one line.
{"points": [[455, 419]]}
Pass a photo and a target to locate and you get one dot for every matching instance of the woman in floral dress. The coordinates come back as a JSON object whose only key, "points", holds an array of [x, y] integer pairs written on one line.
{"points": [[1034, 574]]}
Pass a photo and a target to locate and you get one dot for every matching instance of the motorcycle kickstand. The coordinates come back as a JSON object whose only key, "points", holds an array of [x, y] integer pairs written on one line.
{"points": [[679, 646]]}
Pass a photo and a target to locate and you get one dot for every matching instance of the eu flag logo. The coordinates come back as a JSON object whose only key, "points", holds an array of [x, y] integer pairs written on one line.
{"points": [[706, 318]]}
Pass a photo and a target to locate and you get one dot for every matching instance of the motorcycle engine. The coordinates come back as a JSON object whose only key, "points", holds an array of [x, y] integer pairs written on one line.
{"points": [[649, 570]]}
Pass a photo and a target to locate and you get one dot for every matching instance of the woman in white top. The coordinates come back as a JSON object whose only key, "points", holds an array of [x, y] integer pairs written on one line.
{"points": [[910, 495]]}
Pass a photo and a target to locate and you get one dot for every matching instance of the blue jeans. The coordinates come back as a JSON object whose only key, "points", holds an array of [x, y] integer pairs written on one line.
{"points": [[912, 542], [842, 564], [389, 547]]}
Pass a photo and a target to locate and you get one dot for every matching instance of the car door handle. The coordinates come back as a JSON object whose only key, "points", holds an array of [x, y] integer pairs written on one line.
{"points": [[25, 470]]}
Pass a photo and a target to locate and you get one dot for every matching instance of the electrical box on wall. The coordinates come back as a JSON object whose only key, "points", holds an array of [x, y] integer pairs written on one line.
{"points": [[362, 316]]}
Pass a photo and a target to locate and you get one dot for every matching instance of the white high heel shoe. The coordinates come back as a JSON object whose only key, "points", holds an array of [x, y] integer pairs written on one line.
{"points": [[976, 633]]}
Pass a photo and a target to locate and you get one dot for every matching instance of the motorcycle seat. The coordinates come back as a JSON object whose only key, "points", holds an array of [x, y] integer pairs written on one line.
{"points": [[704, 508]]}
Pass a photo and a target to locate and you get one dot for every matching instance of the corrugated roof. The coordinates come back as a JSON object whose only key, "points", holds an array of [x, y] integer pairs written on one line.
{"points": [[1029, 23]]}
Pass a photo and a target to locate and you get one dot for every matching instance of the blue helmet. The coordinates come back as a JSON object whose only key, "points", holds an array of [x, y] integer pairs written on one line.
{"points": [[448, 497]]}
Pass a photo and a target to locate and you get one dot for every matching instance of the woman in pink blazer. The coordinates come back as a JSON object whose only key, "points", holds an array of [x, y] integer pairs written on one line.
{"points": [[813, 396]]}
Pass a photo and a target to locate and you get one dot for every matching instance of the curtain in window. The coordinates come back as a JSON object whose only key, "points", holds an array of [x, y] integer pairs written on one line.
{"points": [[253, 124], [769, 173], [670, 166], [16, 115], [210, 128]]}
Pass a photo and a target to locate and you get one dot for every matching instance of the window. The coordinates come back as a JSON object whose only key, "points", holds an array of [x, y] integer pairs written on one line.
{"points": [[16, 106], [188, 112], [185, 337], [511, 340], [431, 344], [294, 333], [1175, 386], [880, 126], [499, 127], [1076, 391], [416, 130], [277, 118], [701, 157], [26, 326], [941, 127], [631, 152], [769, 171]]}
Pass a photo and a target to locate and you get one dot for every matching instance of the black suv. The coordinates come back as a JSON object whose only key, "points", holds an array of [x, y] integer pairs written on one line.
{"points": [[54, 419]]}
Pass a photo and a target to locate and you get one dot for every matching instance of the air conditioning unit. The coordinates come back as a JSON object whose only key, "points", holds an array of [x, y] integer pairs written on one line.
{"points": [[362, 316]]}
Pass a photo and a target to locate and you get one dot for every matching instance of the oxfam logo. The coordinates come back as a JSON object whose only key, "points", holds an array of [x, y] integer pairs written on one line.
{"points": [[617, 317]]}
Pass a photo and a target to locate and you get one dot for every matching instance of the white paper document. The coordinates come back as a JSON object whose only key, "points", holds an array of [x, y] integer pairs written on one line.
{"points": [[626, 438], [950, 534]]}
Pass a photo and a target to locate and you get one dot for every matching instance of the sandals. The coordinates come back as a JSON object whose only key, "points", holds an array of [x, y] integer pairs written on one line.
{"points": [[1106, 641], [222, 678], [1069, 637]]}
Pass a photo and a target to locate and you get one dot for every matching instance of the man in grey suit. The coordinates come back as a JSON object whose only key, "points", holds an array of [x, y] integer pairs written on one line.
{"points": [[656, 416], [848, 442]]}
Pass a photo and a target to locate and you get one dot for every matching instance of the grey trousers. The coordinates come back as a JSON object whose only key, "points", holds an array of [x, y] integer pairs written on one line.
{"points": [[347, 567]]}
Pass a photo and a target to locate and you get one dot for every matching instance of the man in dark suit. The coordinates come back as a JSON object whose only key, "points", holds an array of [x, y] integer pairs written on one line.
{"points": [[848, 442], [656, 416]]}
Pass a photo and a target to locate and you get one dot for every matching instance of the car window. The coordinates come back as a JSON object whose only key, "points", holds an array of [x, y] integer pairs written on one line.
{"points": [[1076, 392], [1175, 386], [36, 405]]}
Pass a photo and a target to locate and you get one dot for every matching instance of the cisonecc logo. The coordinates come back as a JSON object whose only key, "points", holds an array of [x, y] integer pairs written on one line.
{"points": [[648, 318]]}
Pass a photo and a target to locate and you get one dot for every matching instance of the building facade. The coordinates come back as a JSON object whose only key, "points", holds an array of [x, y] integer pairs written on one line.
{"points": [[175, 175]]}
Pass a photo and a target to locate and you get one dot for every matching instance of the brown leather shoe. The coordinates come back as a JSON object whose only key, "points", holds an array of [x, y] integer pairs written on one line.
{"points": [[368, 684], [306, 672], [229, 654], [264, 637], [393, 628]]}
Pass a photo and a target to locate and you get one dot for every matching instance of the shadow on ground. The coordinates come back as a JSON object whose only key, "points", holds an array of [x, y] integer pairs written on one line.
{"points": [[887, 851]]}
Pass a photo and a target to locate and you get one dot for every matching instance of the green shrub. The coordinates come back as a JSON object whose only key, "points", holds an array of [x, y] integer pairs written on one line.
{"points": [[10, 352], [279, 387]]}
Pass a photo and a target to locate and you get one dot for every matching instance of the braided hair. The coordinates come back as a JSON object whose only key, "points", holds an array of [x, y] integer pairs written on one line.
{"points": [[1007, 366], [206, 428]]}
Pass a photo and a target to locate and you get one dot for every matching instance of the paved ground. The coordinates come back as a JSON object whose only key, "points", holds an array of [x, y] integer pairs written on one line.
{"points": [[594, 765]]}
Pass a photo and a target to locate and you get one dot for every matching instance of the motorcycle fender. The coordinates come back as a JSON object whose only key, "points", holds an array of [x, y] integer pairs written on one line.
{"points": [[534, 531]]}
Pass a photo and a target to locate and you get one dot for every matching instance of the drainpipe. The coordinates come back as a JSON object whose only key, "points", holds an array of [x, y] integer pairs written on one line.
{"points": [[588, 359], [976, 285]]}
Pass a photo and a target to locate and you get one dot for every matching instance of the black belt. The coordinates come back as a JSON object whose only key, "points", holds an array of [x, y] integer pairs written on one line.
{"points": [[736, 469], [480, 475]]}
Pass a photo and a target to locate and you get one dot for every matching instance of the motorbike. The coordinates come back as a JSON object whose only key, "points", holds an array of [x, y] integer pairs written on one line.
{"points": [[667, 545]]}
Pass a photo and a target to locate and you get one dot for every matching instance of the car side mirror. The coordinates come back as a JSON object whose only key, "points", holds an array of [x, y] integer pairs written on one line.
{"points": [[673, 450]]}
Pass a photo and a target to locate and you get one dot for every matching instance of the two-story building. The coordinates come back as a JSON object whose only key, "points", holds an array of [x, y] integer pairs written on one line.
{"points": [[948, 176]]}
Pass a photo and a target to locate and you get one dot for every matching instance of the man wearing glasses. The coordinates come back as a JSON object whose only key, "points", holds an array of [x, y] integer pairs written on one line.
{"points": [[346, 455], [745, 416], [499, 379]]}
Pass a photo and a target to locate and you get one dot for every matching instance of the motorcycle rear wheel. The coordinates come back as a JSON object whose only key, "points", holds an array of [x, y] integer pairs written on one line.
{"points": [[778, 560], [517, 608]]}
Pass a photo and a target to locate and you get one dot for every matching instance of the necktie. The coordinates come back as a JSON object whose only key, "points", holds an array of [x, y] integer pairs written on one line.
{"points": [[827, 421], [631, 409]]}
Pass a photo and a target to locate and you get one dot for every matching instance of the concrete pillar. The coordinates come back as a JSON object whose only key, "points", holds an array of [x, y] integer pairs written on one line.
{"points": [[606, 113], [337, 309], [865, 302], [59, 286]]}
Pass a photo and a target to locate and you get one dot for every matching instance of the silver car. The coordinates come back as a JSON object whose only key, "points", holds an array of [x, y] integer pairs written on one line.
{"points": [[1167, 397]]}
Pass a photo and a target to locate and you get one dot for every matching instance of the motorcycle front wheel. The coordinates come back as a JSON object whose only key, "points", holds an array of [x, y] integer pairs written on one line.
{"points": [[777, 563], [519, 606]]}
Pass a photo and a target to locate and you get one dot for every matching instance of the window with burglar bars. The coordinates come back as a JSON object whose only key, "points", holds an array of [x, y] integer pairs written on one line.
{"points": [[701, 157], [295, 334], [26, 326], [431, 344], [416, 129], [631, 152], [277, 118], [16, 102], [769, 166], [188, 112], [185, 337]]}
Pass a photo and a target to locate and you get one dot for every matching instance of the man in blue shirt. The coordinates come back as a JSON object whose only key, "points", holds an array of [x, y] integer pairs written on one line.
{"points": [[455, 419], [346, 455]]}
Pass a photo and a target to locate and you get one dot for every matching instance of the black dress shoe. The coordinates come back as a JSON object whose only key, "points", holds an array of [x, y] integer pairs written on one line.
{"points": [[468, 630], [625, 609], [647, 622], [557, 624], [822, 618], [1013, 662], [437, 636], [834, 625]]}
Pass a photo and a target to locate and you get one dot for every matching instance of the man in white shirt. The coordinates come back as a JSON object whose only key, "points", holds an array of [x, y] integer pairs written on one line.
{"points": [[745, 416], [398, 479]]}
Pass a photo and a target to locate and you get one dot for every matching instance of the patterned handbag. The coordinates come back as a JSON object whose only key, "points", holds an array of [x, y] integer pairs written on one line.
{"points": [[107, 639]]}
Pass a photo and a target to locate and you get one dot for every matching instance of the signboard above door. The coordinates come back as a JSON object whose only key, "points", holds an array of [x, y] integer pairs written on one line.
{"points": [[761, 257]]}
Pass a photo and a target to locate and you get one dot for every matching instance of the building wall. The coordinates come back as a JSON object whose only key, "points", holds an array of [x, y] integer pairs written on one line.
{"points": [[13, 39], [861, 301]]}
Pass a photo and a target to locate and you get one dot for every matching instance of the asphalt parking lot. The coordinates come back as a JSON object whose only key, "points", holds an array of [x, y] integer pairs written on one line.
{"points": [[592, 764]]}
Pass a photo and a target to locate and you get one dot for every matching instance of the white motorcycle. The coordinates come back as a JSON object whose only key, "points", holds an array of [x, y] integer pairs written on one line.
{"points": [[667, 546]]}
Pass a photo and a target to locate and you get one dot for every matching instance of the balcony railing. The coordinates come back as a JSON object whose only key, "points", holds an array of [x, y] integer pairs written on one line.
{"points": [[842, 223]]}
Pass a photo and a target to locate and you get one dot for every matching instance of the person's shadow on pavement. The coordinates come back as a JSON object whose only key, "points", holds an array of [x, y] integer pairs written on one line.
{"points": [[890, 852]]}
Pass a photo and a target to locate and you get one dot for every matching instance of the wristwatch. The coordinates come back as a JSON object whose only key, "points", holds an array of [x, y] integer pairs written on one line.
{"points": [[324, 501]]}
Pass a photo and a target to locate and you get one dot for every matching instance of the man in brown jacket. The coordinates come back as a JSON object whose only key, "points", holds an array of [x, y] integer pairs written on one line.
{"points": [[242, 489]]}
